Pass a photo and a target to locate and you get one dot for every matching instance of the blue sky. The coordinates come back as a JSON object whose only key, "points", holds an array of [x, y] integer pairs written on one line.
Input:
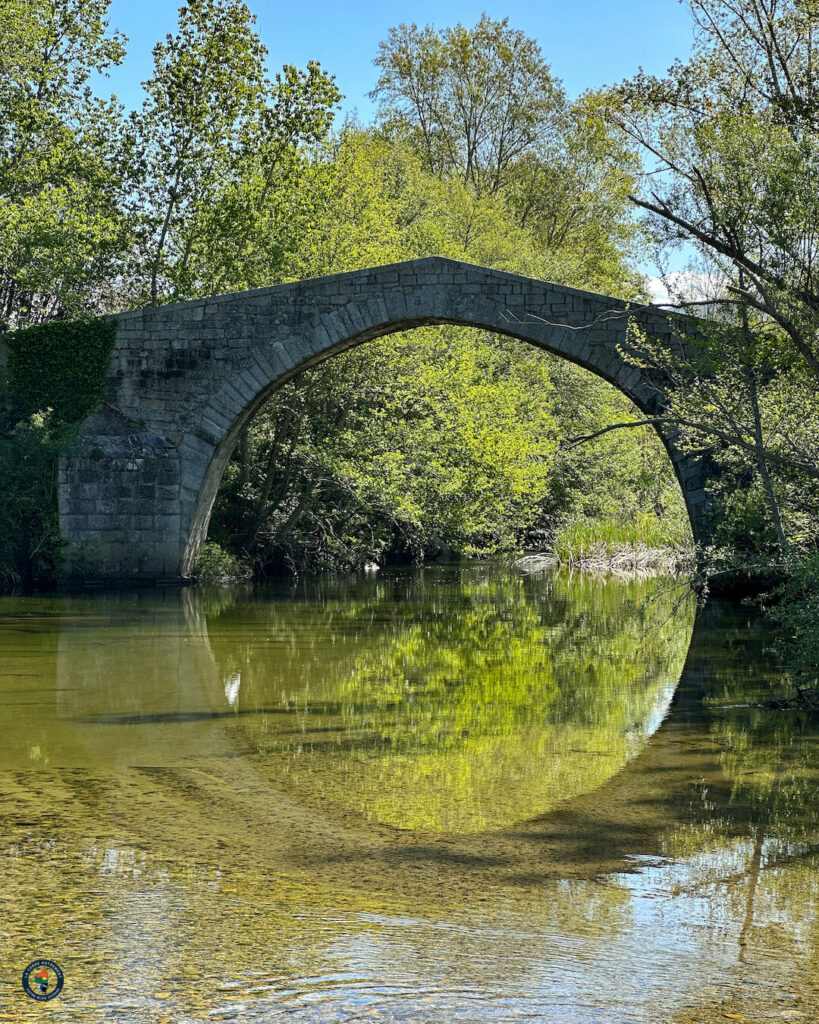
{"points": [[588, 43]]}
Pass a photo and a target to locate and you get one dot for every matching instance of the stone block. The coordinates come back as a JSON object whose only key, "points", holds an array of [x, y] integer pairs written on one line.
{"points": [[280, 358]]}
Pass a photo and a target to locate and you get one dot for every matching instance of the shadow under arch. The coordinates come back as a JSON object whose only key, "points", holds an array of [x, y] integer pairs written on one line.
{"points": [[187, 377]]}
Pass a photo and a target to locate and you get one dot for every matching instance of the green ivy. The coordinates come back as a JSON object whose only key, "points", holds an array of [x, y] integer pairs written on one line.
{"points": [[55, 376], [30, 543], [61, 366]]}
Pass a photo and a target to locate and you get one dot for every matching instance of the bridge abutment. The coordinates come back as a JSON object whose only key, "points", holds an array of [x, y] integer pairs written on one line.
{"points": [[120, 509]]}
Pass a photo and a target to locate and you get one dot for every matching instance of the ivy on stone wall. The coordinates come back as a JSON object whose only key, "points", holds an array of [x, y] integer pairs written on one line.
{"points": [[60, 365]]}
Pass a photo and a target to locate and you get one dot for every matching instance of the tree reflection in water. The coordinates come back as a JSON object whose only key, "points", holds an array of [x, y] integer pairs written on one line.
{"points": [[199, 796], [460, 704]]}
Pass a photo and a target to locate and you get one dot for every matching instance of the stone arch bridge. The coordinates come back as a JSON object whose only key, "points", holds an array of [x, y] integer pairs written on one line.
{"points": [[136, 489]]}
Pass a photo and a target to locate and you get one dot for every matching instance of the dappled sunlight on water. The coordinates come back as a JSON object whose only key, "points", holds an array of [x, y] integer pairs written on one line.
{"points": [[448, 795]]}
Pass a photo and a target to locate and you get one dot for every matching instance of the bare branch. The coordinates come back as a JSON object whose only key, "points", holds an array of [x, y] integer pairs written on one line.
{"points": [[573, 442], [809, 468]]}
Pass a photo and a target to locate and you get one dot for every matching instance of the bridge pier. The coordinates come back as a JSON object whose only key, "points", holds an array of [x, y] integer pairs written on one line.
{"points": [[119, 508]]}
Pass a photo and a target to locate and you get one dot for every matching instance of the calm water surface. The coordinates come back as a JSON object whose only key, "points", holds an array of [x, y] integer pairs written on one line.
{"points": [[447, 795]]}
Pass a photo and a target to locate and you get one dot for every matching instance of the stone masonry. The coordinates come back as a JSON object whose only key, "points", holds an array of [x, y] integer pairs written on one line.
{"points": [[136, 489]]}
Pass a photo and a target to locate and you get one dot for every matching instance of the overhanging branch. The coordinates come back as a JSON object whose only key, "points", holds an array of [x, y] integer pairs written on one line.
{"points": [[809, 468]]}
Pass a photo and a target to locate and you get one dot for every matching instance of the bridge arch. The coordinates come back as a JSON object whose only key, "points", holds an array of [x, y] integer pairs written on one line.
{"points": [[137, 488]]}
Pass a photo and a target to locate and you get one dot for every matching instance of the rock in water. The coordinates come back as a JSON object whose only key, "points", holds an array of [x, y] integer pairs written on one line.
{"points": [[536, 563]]}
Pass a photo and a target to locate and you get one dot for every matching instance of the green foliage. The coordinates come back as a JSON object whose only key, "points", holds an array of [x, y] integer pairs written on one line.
{"points": [[220, 156], [432, 440], [215, 565], [794, 608], [733, 136], [55, 376], [619, 478], [741, 399], [62, 228], [481, 109], [743, 521], [478, 98], [60, 366], [30, 542]]}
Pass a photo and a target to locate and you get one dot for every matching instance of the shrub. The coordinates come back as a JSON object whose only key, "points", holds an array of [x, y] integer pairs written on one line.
{"points": [[30, 544], [794, 609], [215, 565]]}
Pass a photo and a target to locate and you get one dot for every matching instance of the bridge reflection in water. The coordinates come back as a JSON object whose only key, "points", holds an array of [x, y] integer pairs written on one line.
{"points": [[421, 797]]}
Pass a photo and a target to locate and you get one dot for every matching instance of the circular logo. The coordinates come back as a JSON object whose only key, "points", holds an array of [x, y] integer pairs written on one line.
{"points": [[43, 980]]}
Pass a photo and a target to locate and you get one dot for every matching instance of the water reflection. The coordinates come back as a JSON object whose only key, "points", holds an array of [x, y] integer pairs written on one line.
{"points": [[177, 834], [457, 700], [454, 700]]}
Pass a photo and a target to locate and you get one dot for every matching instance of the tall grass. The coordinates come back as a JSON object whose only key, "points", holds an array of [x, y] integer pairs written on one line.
{"points": [[603, 537]]}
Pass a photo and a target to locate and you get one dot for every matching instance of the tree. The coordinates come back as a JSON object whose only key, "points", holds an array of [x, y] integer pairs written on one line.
{"points": [[482, 107], [215, 138], [731, 143], [479, 98], [260, 219], [734, 138], [730, 398], [61, 169]]}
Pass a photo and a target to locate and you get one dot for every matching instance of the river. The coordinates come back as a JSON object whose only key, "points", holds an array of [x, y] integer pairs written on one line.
{"points": [[444, 795]]}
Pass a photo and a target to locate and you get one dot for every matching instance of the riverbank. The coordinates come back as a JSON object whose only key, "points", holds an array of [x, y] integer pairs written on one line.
{"points": [[625, 560]]}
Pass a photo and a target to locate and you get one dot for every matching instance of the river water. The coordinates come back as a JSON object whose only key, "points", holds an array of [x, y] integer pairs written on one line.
{"points": [[452, 794]]}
